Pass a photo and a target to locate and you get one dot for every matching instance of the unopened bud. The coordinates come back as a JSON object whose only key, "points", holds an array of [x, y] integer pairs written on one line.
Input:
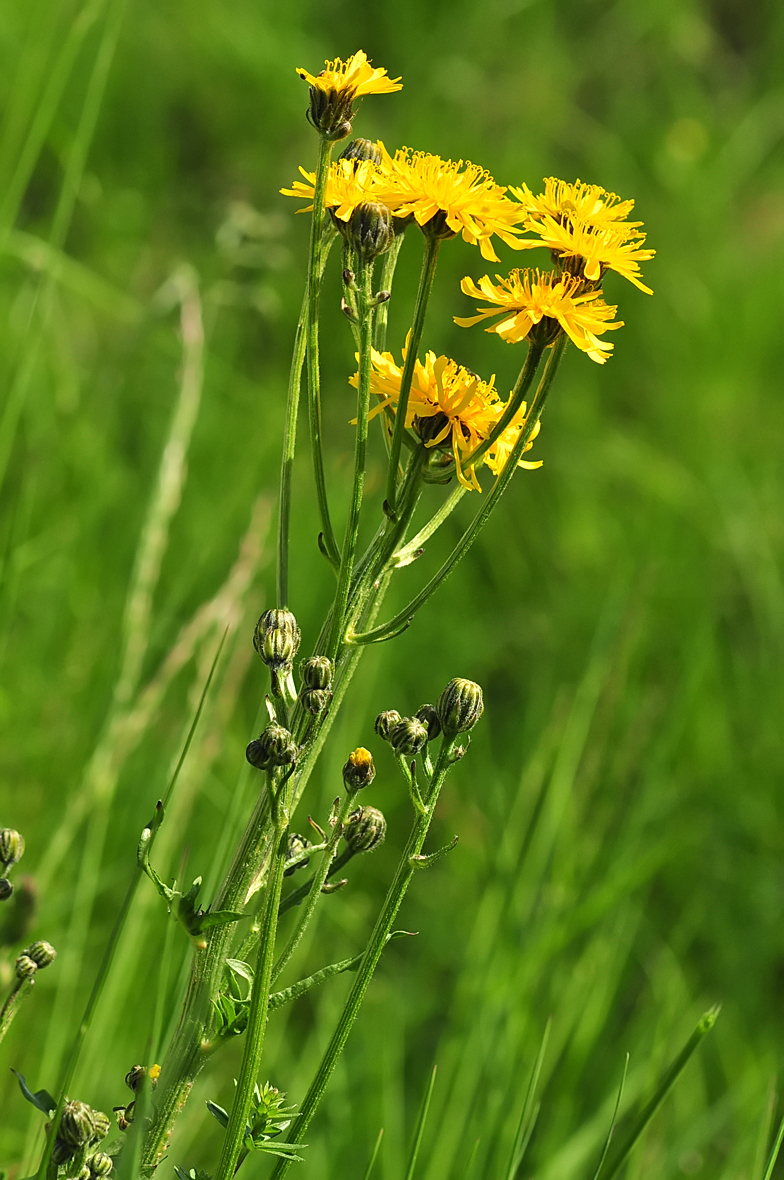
{"points": [[101, 1125], [42, 953], [84, 1173], [317, 672], [276, 638], [273, 747], [365, 829], [77, 1124], [6, 889], [362, 149], [386, 722], [12, 846], [359, 770], [460, 706], [25, 967], [370, 230], [62, 1152], [135, 1075], [316, 700], [100, 1164], [408, 737], [296, 846], [428, 715]]}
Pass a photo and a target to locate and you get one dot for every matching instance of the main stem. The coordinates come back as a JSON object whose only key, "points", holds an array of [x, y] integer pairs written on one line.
{"points": [[429, 264], [377, 942], [259, 999]]}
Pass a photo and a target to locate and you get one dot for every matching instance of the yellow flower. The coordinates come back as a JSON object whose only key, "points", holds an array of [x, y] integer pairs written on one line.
{"points": [[497, 455], [355, 78], [349, 183], [595, 250], [449, 406], [466, 197], [525, 298], [588, 203]]}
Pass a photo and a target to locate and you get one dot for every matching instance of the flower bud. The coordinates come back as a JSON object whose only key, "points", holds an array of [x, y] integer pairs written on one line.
{"points": [[134, 1076], [276, 638], [386, 722], [331, 111], [316, 700], [429, 718], [42, 953], [296, 846], [365, 829], [6, 889], [62, 1152], [101, 1125], [370, 230], [273, 747], [12, 846], [359, 770], [77, 1125], [25, 967], [361, 149], [317, 672], [460, 706], [408, 737], [100, 1164], [84, 1173]]}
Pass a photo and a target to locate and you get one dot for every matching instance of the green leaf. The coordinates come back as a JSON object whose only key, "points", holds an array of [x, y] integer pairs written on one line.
{"points": [[218, 1113], [210, 920], [42, 1099]]}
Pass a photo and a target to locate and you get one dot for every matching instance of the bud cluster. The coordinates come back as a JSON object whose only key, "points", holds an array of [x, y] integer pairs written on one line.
{"points": [[317, 674], [458, 709], [133, 1080], [32, 960], [80, 1128], [277, 638], [12, 848], [273, 747]]}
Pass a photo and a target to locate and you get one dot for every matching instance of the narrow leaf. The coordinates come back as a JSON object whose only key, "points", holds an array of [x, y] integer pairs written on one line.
{"points": [[219, 1113], [374, 1153], [530, 1110], [774, 1155], [420, 1127], [613, 1121]]}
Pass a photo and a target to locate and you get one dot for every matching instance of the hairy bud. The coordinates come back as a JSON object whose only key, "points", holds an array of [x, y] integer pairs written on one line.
{"points": [[62, 1152], [42, 953], [386, 722], [77, 1125], [408, 737], [101, 1125], [317, 672], [25, 967], [428, 715], [365, 829], [6, 889], [273, 747], [136, 1074], [100, 1164], [296, 846], [12, 847], [370, 230], [362, 149], [460, 706], [316, 700], [359, 770], [276, 638], [331, 112]]}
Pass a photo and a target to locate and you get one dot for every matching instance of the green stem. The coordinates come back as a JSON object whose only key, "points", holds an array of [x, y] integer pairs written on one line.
{"points": [[14, 1000], [411, 550], [365, 298], [314, 893], [290, 430], [386, 275], [429, 264], [314, 375], [376, 944], [401, 620], [259, 999], [298, 895]]}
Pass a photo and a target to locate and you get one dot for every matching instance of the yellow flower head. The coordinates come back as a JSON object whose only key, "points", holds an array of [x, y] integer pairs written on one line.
{"points": [[592, 251], [349, 183], [497, 455], [450, 407], [588, 203], [525, 298], [464, 196], [354, 78]]}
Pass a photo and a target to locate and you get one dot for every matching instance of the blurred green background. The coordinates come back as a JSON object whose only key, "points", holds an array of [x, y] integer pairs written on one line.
{"points": [[620, 863]]}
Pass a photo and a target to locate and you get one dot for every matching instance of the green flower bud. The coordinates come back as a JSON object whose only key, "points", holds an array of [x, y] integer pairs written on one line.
{"points": [[386, 722], [316, 700], [77, 1125], [460, 706], [408, 737], [331, 112], [361, 149], [25, 967], [273, 747], [101, 1125], [317, 672], [365, 829], [359, 770], [370, 230], [42, 953], [100, 1164], [12, 847], [276, 638], [62, 1152], [6, 889], [296, 846], [84, 1173], [429, 718]]}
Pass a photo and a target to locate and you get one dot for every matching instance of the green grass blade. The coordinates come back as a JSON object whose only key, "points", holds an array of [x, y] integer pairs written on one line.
{"points": [[374, 1154], [668, 1080], [774, 1155], [613, 1120], [530, 1110], [420, 1127]]}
